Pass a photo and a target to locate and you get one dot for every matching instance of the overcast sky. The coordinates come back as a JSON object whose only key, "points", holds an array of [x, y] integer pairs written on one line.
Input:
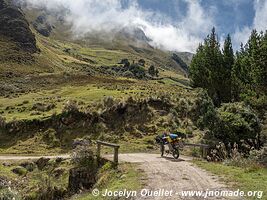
{"points": [[171, 24]]}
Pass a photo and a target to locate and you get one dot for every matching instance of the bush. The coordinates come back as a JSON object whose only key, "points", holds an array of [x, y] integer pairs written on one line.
{"points": [[203, 112], [107, 137], [8, 194], [84, 156], [2, 122], [182, 108], [125, 62], [138, 71], [128, 74], [108, 102], [238, 159], [237, 123], [21, 171], [70, 107], [43, 107], [50, 138]]}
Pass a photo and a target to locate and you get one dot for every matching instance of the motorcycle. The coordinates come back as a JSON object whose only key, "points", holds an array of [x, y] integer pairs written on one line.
{"points": [[173, 147]]}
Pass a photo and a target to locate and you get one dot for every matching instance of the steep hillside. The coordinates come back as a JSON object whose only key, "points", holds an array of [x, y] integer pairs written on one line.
{"points": [[50, 71], [15, 27], [129, 40]]}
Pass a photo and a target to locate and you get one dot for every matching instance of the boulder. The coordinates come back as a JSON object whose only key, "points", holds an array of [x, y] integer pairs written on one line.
{"points": [[59, 172], [42, 26], [19, 170], [81, 178], [6, 164], [4, 181], [42, 163], [59, 159], [29, 166]]}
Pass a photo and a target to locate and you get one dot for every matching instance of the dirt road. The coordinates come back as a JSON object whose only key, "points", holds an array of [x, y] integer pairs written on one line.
{"points": [[163, 173], [170, 174]]}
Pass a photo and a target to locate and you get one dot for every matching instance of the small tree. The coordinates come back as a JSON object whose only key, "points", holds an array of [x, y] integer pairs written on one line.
{"points": [[152, 70], [142, 62], [125, 63], [157, 72]]}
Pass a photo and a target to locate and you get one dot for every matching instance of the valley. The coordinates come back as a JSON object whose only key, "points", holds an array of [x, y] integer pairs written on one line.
{"points": [[63, 87]]}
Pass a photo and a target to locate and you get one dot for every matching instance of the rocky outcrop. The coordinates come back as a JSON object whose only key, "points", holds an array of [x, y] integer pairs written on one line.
{"points": [[81, 178], [14, 26], [42, 163], [42, 26]]}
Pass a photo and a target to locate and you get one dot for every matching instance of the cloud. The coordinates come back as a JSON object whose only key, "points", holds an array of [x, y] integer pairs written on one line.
{"points": [[260, 20], [187, 34], [259, 23], [87, 16]]}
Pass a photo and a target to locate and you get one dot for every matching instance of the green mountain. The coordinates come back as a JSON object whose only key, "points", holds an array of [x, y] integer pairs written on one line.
{"points": [[37, 42], [45, 70]]}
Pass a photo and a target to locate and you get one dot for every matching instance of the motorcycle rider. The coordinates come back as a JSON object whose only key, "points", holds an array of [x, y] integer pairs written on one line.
{"points": [[166, 138]]}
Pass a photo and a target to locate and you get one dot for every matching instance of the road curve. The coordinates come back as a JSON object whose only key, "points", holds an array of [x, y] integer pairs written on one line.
{"points": [[169, 174], [163, 173]]}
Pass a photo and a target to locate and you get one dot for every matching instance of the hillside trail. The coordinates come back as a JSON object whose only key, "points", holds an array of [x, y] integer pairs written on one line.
{"points": [[163, 173]]}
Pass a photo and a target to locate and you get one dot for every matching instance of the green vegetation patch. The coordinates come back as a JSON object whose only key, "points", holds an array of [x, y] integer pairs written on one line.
{"points": [[240, 178], [125, 177]]}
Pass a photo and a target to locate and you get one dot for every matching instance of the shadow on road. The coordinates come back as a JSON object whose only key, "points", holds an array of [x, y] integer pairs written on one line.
{"points": [[173, 159]]}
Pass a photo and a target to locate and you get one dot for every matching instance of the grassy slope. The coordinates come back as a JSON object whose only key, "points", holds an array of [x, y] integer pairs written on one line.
{"points": [[239, 178], [56, 76], [32, 182]]}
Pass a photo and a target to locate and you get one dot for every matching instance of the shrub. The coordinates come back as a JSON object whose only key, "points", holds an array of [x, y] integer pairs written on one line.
{"points": [[203, 112], [128, 74], [125, 62], [108, 102], [50, 138], [21, 171], [2, 122], [238, 159], [138, 71], [42, 107], [182, 108], [142, 62], [84, 156], [108, 137], [70, 106], [237, 123], [8, 193]]}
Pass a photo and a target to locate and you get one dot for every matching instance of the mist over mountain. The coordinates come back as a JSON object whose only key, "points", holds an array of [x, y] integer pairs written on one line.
{"points": [[90, 16], [171, 25]]}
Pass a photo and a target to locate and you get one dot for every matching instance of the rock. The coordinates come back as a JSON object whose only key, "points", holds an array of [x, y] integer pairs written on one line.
{"points": [[6, 164], [81, 178], [19, 171], [59, 159], [3, 181], [29, 166], [15, 26], [42, 26], [42, 163], [80, 142], [59, 171], [42, 107]]}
